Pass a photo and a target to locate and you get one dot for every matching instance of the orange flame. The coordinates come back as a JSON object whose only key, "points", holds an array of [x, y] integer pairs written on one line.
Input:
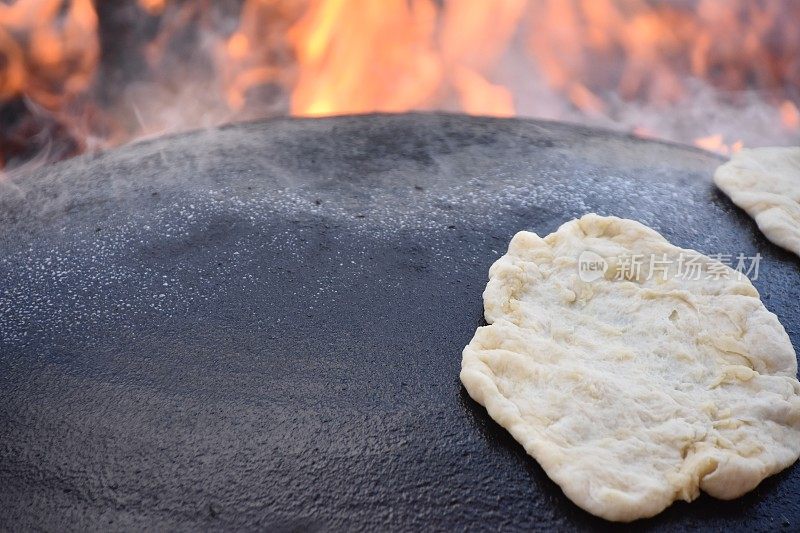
{"points": [[153, 7], [716, 143], [54, 62], [336, 43], [790, 115], [587, 60], [359, 55]]}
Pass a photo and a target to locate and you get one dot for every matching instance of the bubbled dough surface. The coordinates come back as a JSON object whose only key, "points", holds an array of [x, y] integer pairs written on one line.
{"points": [[633, 393]]}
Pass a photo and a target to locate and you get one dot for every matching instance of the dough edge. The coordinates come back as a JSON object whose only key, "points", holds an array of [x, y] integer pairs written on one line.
{"points": [[767, 209], [711, 469]]}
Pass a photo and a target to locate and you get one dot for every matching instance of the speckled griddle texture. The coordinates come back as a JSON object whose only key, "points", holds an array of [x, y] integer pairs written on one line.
{"points": [[260, 327]]}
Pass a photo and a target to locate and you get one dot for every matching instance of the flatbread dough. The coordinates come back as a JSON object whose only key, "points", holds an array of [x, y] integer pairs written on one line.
{"points": [[634, 392], [765, 182]]}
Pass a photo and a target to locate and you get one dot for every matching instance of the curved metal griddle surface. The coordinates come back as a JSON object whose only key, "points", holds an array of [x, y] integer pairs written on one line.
{"points": [[261, 326]]}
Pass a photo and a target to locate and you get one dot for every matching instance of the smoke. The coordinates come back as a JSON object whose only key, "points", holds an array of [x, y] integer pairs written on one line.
{"points": [[719, 73]]}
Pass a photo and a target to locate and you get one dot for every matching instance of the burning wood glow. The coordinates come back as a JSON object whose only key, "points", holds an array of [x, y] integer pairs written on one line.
{"points": [[77, 75]]}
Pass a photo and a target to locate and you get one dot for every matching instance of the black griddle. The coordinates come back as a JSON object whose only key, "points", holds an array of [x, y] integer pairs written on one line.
{"points": [[260, 326]]}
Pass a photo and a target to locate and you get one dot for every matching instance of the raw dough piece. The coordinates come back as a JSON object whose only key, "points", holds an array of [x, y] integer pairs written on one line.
{"points": [[765, 182], [634, 392]]}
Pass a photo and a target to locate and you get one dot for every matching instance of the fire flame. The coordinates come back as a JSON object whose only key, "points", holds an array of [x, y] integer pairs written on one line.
{"points": [[641, 65], [51, 63]]}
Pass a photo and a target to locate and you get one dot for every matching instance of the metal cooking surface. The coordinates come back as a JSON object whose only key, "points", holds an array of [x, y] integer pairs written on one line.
{"points": [[262, 325]]}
